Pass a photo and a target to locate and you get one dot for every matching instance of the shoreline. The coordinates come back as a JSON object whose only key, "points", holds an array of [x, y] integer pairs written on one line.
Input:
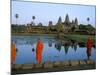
{"points": [[27, 34]]}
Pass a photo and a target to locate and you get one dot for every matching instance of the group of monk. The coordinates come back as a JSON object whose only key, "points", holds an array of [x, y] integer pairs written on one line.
{"points": [[39, 50]]}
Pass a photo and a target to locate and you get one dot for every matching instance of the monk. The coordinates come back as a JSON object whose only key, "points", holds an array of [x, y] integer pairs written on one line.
{"points": [[13, 52], [89, 46], [39, 50]]}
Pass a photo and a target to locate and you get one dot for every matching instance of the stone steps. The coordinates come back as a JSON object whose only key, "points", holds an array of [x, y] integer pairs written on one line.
{"points": [[52, 64]]}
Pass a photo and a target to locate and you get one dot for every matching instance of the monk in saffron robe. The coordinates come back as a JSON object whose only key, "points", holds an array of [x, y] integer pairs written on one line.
{"points": [[13, 52], [89, 46], [39, 50]]}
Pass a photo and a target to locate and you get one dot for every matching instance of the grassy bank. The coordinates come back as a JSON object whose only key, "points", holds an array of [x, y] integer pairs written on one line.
{"points": [[80, 38], [31, 34]]}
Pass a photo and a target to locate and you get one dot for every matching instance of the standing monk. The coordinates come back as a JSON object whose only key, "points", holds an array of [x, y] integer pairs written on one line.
{"points": [[13, 52], [39, 50], [89, 46]]}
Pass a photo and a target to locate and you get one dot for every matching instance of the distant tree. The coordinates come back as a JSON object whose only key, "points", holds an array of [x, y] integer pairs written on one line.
{"points": [[50, 26], [16, 16], [88, 19], [40, 24], [33, 17], [32, 23], [67, 19], [60, 20], [76, 21], [82, 27]]}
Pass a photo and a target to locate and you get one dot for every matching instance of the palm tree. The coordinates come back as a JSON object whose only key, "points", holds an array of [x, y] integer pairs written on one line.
{"points": [[16, 16], [88, 19], [33, 17]]}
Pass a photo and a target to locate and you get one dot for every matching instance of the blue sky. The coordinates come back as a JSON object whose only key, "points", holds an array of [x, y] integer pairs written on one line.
{"points": [[45, 12]]}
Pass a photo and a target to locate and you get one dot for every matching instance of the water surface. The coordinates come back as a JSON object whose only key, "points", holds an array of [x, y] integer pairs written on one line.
{"points": [[54, 50]]}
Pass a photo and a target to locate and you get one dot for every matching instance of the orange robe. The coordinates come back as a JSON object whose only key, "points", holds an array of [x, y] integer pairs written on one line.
{"points": [[39, 50], [89, 46], [13, 52], [89, 43]]}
